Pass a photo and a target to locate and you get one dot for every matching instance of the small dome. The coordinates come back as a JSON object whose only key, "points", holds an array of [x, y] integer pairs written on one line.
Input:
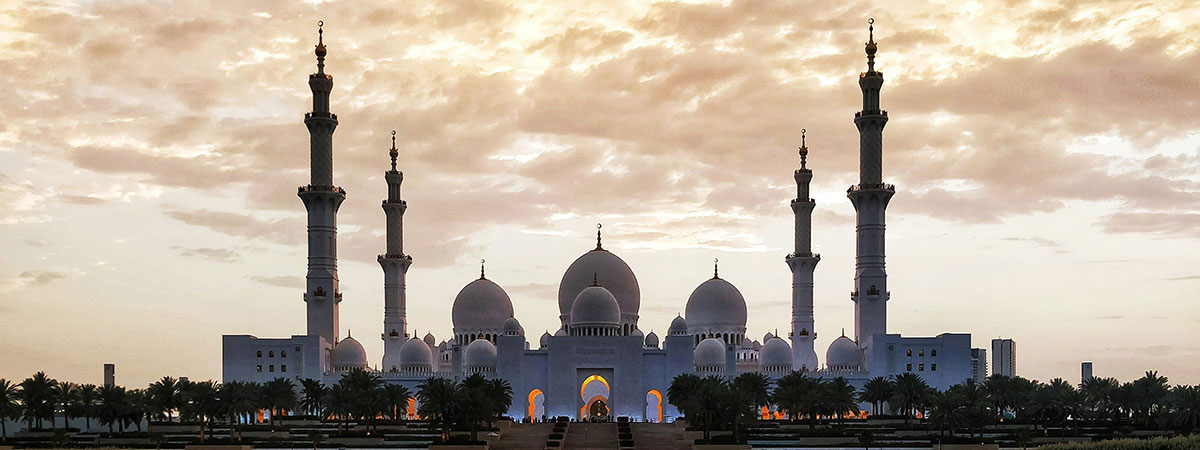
{"points": [[611, 272], [444, 345], [480, 354], [716, 306], [756, 346], [415, 356], [651, 340], [512, 327], [481, 306], [637, 333], [545, 340], [843, 354], [710, 352], [430, 340], [678, 326], [767, 337], [776, 352], [560, 332], [747, 344], [348, 354], [595, 306]]}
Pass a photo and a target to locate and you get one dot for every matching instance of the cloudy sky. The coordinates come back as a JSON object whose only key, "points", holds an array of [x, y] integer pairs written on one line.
{"points": [[1046, 157]]}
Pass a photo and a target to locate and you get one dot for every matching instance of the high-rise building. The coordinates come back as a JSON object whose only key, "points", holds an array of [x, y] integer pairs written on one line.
{"points": [[979, 365], [110, 374], [1004, 357], [1085, 370]]}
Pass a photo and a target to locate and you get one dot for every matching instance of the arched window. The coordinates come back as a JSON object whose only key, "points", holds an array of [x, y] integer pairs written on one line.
{"points": [[271, 354], [283, 353], [921, 352], [259, 355], [933, 352]]}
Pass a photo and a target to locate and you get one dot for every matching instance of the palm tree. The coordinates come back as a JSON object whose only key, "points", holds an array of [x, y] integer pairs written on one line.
{"points": [[112, 405], [840, 399], [395, 400], [1185, 408], [438, 403], [9, 408], [483, 400], [947, 408], [37, 399], [1098, 395], [279, 395], [1151, 389], [876, 391], [976, 410], [711, 395], [199, 401], [140, 406], [787, 395], [313, 396], [362, 393], [89, 395], [800, 395], [911, 395], [237, 400], [338, 404], [164, 397], [64, 394], [681, 394], [748, 392]]}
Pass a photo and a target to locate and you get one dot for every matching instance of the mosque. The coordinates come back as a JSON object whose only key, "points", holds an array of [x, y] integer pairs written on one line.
{"points": [[598, 362]]}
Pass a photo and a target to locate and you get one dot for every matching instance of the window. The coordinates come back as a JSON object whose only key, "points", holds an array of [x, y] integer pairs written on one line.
{"points": [[920, 367], [283, 353], [283, 368], [271, 354], [260, 367], [933, 367], [921, 352], [908, 367], [259, 355], [271, 368], [933, 352], [908, 352]]}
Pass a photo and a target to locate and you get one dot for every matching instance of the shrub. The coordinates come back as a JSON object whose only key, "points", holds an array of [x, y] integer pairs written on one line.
{"points": [[1174, 443]]}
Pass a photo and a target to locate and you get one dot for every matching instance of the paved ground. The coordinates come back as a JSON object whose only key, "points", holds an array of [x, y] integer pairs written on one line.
{"points": [[588, 436]]}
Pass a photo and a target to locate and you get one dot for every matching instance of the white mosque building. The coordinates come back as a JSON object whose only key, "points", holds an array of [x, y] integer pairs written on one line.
{"points": [[598, 361]]}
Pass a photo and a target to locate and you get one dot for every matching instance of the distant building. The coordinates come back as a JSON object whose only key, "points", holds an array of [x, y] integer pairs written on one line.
{"points": [[1085, 371], [979, 365], [110, 374], [1004, 357]]}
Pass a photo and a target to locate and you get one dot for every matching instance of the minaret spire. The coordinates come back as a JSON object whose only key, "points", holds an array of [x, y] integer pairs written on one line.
{"points": [[802, 261], [395, 263], [322, 200], [870, 198]]}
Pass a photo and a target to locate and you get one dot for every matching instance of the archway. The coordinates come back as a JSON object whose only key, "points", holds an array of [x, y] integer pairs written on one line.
{"points": [[654, 406], [536, 404], [594, 389]]}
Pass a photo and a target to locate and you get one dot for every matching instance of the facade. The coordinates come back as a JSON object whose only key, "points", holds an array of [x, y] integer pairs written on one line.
{"points": [[979, 365], [1004, 357], [599, 361]]}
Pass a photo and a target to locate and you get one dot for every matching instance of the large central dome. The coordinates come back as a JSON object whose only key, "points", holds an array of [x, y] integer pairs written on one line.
{"points": [[609, 271]]}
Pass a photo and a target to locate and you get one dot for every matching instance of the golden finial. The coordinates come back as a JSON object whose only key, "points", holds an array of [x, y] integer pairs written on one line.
{"points": [[803, 148], [320, 46], [393, 151], [871, 46], [481, 261], [598, 247], [715, 268]]}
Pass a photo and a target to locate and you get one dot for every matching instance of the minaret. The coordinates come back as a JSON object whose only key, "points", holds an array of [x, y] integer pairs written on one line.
{"points": [[322, 200], [395, 263], [870, 197], [803, 261]]}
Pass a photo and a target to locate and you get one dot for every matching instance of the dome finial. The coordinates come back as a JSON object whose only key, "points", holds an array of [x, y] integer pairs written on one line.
{"points": [[598, 226], [393, 151], [871, 46], [803, 148], [715, 269], [595, 279], [481, 261], [843, 331], [348, 334], [320, 47]]}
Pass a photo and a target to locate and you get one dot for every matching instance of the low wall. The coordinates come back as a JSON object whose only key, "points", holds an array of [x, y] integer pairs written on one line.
{"points": [[216, 447], [966, 447]]}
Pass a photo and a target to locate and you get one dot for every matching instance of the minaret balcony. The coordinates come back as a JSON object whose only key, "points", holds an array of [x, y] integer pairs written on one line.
{"points": [[878, 112], [871, 187], [395, 256], [316, 188], [804, 255], [320, 115], [796, 200]]}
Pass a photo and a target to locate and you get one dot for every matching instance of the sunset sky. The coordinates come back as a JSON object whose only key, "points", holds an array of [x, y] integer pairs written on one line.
{"points": [[1046, 157]]}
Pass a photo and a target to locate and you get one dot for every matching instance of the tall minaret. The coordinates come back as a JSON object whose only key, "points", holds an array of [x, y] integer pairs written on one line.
{"points": [[870, 197], [395, 263], [803, 261], [322, 200]]}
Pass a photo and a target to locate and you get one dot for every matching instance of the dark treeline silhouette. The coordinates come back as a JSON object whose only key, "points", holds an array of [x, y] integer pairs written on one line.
{"points": [[716, 403], [359, 396]]}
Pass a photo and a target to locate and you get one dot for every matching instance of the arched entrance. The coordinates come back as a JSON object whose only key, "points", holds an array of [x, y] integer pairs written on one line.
{"points": [[654, 406], [594, 392], [536, 404]]}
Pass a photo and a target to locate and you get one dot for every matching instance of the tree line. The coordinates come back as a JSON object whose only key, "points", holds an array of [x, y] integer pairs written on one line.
{"points": [[1149, 401], [359, 396]]}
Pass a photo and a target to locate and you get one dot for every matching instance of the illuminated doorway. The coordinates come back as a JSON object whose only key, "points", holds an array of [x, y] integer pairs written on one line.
{"points": [[594, 392], [654, 406], [537, 406]]}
